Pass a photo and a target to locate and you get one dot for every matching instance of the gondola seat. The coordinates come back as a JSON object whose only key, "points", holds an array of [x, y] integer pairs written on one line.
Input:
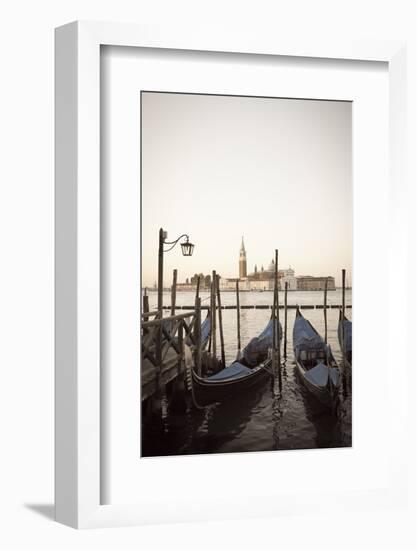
{"points": [[312, 355]]}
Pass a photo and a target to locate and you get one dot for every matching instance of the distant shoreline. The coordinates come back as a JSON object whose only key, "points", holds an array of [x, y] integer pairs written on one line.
{"points": [[168, 289]]}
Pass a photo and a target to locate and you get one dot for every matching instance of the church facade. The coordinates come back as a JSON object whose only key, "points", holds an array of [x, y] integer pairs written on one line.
{"points": [[259, 279]]}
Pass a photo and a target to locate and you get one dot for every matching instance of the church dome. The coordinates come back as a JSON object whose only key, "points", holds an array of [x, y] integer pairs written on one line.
{"points": [[271, 266]]}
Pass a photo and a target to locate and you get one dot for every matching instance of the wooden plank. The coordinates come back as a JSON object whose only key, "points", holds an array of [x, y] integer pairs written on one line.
{"points": [[149, 313], [156, 322]]}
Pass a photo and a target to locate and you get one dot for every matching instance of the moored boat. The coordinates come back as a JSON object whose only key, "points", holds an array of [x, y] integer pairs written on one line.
{"points": [[315, 364], [251, 367]]}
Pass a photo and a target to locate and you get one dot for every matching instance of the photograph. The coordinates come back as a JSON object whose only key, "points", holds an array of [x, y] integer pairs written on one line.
{"points": [[246, 273]]}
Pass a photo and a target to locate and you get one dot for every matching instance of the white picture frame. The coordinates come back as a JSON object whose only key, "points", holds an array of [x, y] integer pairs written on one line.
{"points": [[78, 243]]}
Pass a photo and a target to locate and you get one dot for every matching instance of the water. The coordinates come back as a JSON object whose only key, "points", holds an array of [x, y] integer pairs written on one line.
{"points": [[262, 419]]}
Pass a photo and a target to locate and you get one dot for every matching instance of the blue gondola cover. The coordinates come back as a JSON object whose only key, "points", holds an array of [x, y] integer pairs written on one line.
{"points": [[347, 335], [304, 336], [205, 330], [259, 345], [235, 370]]}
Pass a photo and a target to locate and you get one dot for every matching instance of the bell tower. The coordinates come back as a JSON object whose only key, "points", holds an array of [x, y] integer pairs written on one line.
{"points": [[242, 261]]}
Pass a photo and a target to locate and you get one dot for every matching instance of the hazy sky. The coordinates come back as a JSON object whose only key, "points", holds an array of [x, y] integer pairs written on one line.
{"points": [[277, 171]]}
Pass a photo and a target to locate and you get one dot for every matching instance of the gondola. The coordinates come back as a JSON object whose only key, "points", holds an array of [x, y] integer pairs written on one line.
{"points": [[315, 363], [344, 333], [251, 367]]}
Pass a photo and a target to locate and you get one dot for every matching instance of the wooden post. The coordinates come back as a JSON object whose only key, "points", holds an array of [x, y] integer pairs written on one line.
{"points": [[277, 324], [238, 316], [325, 311], [160, 270], [145, 304], [180, 346], [197, 292], [277, 327], [274, 332], [158, 343], [220, 321], [285, 319], [173, 292], [211, 316], [214, 315], [197, 333], [343, 315]]}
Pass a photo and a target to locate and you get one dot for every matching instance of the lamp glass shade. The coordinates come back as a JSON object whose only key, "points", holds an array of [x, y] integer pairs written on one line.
{"points": [[187, 248]]}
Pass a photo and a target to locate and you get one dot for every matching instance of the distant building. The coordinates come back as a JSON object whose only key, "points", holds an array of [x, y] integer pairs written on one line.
{"points": [[262, 279], [242, 261], [229, 284], [315, 283], [191, 284], [259, 279], [185, 286]]}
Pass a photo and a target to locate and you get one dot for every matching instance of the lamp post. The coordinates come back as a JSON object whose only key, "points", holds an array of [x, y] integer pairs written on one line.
{"points": [[187, 249]]}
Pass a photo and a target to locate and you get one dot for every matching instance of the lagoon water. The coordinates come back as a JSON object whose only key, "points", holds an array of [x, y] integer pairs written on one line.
{"points": [[262, 419]]}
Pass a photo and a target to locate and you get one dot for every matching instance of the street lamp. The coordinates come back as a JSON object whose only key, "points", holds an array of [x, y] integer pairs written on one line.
{"points": [[187, 250]]}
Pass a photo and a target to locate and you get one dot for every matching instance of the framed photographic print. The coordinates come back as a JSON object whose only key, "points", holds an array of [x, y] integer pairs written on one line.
{"points": [[221, 205]]}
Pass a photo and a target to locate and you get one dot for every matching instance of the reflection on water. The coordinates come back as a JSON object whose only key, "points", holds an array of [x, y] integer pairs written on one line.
{"points": [[265, 418]]}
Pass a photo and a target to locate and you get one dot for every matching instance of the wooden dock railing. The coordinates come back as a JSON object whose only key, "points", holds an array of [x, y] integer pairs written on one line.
{"points": [[162, 347]]}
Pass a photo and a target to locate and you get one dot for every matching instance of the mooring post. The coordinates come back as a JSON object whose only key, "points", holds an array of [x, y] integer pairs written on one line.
{"points": [[343, 314], [197, 291], [220, 320], [274, 328], [277, 327], [145, 304], [325, 311], [285, 319], [211, 317], [238, 317], [158, 342], [277, 322], [174, 291], [214, 320], [181, 347], [197, 333]]}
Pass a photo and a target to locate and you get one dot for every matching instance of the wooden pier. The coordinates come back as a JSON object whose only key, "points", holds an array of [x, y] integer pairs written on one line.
{"points": [[167, 346]]}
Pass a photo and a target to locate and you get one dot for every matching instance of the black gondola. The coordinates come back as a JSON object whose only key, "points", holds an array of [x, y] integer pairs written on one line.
{"points": [[316, 365], [250, 368], [344, 334]]}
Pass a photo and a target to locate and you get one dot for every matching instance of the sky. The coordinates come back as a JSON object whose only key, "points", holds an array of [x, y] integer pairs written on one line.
{"points": [[276, 171]]}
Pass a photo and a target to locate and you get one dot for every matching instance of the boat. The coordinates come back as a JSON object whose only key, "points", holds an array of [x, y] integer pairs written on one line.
{"points": [[315, 364], [344, 333], [251, 367]]}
